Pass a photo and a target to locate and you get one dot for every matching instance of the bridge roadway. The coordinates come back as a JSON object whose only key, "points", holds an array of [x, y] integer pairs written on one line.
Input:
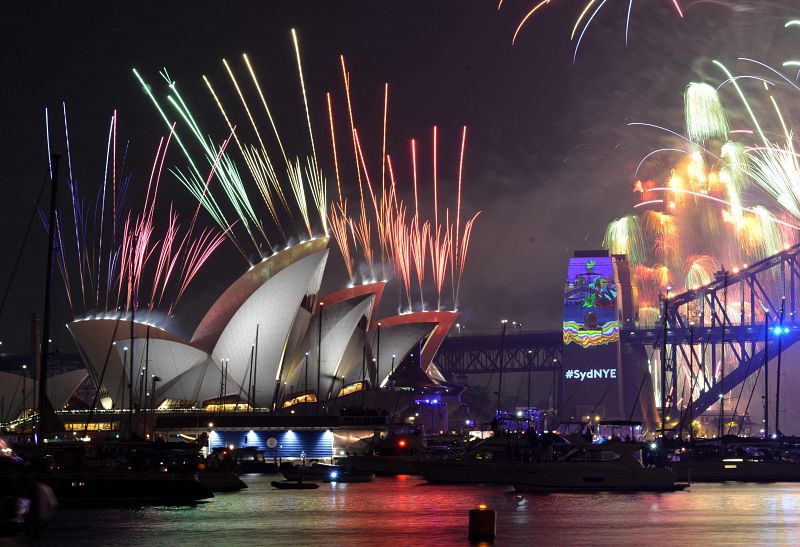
{"points": [[479, 353], [462, 354]]}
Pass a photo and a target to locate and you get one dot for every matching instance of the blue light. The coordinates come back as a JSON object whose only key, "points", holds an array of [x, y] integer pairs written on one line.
{"points": [[435, 401], [785, 330], [334, 474]]}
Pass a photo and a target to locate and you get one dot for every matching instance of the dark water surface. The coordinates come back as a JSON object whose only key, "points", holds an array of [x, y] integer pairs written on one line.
{"points": [[406, 511]]}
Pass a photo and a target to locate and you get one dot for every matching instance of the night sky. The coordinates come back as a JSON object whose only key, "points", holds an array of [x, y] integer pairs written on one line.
{"points": [[550, 156]]}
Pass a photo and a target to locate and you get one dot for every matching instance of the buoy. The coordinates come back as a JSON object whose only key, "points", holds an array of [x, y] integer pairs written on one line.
{"points": [[482, 523]]}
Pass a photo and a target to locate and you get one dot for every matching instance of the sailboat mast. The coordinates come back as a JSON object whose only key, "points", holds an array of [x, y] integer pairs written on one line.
{"points": [[363, 375], [250, 379], [663, 367], [146, 375], [130, 355], [255, 368], [51, 232], [722, 361], [319, 358], [691, 383], [778, 377], [766, 375]]}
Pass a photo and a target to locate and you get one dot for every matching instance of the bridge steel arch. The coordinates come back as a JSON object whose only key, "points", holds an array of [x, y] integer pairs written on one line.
{"points": [[733, 320]]}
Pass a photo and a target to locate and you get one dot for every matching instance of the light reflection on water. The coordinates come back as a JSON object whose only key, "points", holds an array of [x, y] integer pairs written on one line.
{"points": [[406, 511]]}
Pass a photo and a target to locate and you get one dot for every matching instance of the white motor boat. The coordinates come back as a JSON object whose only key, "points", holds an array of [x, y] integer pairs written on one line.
{"points": [[592, 468]]}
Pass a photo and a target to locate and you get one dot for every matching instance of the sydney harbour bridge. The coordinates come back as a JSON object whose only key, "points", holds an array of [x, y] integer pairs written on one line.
{"points": [[706, 344]]}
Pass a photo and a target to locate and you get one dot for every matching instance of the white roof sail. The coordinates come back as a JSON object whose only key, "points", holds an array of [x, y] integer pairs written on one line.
{"points": [[274, 308], [101, 343], [397, 340], [18, 392], [339, 321]]}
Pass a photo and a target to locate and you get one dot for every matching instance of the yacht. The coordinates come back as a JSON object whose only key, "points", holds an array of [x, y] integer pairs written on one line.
{"points": [[482, 463], [763, 462], [25, 505], [251, 460], [117, 473], [389, 455], [309, 471], [113, 487], [220, 481], [593, 467]]}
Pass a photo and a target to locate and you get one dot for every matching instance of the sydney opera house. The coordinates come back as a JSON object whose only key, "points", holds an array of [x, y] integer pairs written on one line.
{"points": [[270, 341]]}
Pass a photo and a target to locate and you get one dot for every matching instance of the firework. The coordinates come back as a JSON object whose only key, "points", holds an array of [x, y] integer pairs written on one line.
{"points": [[651, 282], [585, 17], [777, 172], [700, 270], [401, 245], [339, 229], [191, 180], [665, 231], [715, 203], [306, 179], [705, 117], [138, 260], [625, 236], [440, 249]]}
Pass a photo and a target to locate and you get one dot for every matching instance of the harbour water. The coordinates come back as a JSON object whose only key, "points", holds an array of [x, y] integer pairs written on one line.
{"points": [[407, 511]]}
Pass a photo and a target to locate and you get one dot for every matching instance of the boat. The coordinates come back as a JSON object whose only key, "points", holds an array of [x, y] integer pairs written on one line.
{"points": [[752, 462], [121, 473], [396, 453], [104, 488], [347, 475], [384, 464], [294, 485], [220, 481], [386, 457], [312, 471], [325, 472], [25, 505], [485, 462], [251, 460], [609, 466]]}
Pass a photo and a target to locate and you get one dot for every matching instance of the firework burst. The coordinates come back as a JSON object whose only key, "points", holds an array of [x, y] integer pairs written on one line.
{"points": [[143, 269], [584, 20]]}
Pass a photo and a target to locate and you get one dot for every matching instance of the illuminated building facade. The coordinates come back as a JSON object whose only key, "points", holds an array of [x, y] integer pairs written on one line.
{"points": [[601, 376]]}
